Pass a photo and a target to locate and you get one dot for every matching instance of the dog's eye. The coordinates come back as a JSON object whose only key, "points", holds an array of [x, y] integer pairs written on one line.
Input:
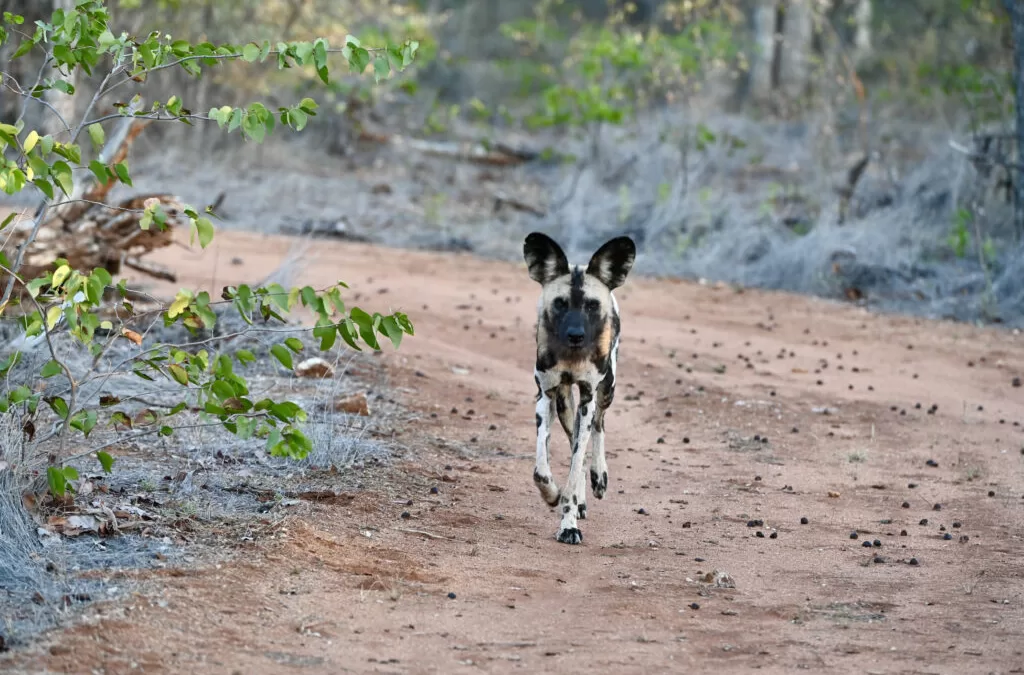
{"points": [[559, 304], [592, 305]]}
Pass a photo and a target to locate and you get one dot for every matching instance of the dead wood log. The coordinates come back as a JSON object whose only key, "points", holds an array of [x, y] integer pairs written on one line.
{"points": [[502, 199], [494, 154]]}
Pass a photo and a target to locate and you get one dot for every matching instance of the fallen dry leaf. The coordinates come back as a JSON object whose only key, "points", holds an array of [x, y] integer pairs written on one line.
{"points": [[833, 494], [132, 335]]}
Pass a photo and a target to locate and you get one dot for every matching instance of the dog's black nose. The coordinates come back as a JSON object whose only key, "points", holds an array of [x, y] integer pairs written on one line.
{"points": [[575, 335]]}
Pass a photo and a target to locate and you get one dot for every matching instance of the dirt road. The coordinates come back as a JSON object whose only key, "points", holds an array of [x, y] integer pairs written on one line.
{"points": [[752, 434]]}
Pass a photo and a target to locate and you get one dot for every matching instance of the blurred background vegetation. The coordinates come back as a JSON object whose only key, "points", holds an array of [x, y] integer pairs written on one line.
{"points": [[858, 149]]}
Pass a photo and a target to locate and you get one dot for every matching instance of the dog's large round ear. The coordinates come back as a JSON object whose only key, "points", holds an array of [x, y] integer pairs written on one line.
{"points": [[613, 261], [544, 258]]}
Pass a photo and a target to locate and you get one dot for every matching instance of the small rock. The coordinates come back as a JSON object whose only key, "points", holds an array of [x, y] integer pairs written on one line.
{"points": [[804, 521], [853, 535], [353, 405], [694, 605], [314, 367], [913, 562], [451, 596]]}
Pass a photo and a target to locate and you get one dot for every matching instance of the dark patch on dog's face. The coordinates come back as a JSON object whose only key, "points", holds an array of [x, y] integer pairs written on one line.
{"points": [[574, 316], [539, 421]]}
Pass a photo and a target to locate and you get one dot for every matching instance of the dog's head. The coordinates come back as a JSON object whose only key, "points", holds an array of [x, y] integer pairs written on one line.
{"points": [[576, 308]]}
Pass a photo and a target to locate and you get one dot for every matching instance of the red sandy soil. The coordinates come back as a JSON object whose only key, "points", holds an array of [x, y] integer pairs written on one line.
{"points": [[357, 588]]}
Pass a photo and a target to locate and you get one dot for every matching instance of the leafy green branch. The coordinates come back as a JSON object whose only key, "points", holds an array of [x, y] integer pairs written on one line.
{"points": [[70, 301]]}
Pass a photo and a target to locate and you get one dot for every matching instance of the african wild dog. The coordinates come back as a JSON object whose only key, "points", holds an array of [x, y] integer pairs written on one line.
{"points": [[577, 343]]}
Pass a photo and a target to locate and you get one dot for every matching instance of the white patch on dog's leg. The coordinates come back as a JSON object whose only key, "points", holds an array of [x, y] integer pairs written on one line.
{"points": [[570, 503], [542, 477], [598, 464]]}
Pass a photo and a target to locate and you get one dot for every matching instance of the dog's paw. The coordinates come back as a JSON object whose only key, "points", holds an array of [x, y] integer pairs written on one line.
{"points": [[599, 484], [548, 490], [570, 535]]}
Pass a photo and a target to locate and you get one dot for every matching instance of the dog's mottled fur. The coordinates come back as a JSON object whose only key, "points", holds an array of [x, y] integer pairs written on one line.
{"points": [[577, 343]]}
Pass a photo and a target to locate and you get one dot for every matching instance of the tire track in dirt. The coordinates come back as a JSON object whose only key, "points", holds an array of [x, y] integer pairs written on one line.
{"points": [[714, 428]]}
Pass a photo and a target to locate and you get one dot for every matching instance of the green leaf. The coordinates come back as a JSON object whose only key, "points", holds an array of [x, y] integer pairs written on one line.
{"points": [[308, 294], [381, 68], [391, 329], [96, 135], [365, 323], [60, 276], [30, 141], [70, 473], [251, 52], [50, 369], [84, 421], [294, 344], [245, 356], [53, 316], [283, 355], [44, 186], [121, 169], [358, 58], [61, 173], [7, 221], [100, 170], [320, 60], [204, 229], [180, 303], [20, 395], [328, 334], [179, 374], [56, 480], [106, 461], [59, 406]]}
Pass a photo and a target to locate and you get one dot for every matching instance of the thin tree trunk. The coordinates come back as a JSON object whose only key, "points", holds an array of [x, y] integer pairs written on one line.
{"points": [[1015, 8], [862, 32], [797, 32], [762, 62]]}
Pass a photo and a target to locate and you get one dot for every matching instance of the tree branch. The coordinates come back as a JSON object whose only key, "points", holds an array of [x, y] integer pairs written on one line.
{"points": [[21, 92], [218, 57]]}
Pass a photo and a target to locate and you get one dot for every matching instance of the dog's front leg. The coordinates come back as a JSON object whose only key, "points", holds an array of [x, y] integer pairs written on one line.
{"points": [[573, 500], [542, 477]]}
